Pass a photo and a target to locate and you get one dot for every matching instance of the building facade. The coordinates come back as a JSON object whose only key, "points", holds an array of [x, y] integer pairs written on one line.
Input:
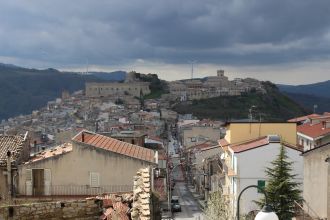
{"points": [[91, 165], [94, 89], [18, 148]]}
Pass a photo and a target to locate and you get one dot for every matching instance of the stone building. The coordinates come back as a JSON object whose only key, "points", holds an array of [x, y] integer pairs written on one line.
{"points": [[19, 148], [212, 86], [104, 89]]}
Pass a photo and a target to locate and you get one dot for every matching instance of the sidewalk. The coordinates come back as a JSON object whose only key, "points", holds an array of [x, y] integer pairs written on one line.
{"points": [[198, 198], [201, 203]]}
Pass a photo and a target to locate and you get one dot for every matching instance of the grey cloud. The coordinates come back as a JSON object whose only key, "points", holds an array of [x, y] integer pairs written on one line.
{"points": [[112, 32]]}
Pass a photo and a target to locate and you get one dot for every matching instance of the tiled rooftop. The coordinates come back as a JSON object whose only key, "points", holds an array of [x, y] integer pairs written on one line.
{"points": [[259, 142], [13, 143], [313, 130], [59, 150], [250, 145], [114, 145], [303, 118]]}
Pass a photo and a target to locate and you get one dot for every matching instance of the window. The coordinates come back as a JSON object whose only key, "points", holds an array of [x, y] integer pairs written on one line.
{"points": [[193, 139], [261, 184], [94, 179]]}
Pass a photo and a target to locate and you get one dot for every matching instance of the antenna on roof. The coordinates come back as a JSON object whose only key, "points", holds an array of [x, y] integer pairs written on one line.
{"points": [[192, 62], [314, 108]]}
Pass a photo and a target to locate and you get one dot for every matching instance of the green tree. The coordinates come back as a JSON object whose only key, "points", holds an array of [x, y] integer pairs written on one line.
{"points": [[282, 189], [217, 207]]}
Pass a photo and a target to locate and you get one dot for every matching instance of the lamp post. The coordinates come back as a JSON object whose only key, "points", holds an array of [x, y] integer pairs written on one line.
{"points": [[266, 212]]}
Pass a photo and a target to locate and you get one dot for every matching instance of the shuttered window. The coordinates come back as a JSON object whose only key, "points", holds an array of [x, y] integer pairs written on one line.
{"points": [[28, 182], [94, 179]]}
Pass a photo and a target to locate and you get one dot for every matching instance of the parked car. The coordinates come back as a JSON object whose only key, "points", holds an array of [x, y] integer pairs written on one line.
{"points": [[175, 205]]}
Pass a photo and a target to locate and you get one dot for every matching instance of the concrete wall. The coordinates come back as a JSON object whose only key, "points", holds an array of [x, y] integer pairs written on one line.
{"points": [[108, 89], [79, 209], [74, 168], [251, 168], [316, 180], [239, 132]]}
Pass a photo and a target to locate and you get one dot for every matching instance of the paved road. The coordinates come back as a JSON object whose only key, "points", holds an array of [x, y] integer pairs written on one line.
{"points": [[189, 206]]}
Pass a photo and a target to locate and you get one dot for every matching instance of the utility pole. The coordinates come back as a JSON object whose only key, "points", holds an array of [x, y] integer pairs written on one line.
{"points": [[9, 180]]}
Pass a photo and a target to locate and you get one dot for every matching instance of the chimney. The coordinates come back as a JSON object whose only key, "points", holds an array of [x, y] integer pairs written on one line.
{"points": [[324, 124], [83, 137]]}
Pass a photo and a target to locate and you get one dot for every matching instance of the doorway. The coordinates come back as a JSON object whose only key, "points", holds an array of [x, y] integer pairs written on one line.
{"points": [[38, 182]]}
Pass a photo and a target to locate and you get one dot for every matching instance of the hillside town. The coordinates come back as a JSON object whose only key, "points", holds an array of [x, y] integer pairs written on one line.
{"points": [[101, 153]]}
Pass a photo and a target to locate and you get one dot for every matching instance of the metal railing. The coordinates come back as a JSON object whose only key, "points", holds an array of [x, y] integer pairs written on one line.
{"points": [[68, 190]]}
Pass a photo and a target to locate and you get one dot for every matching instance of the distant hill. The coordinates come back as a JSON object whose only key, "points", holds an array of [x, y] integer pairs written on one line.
{"points": [[310, 95], [273, 106], [111, 76], [23, 90], [321, 89], [308, 101]]}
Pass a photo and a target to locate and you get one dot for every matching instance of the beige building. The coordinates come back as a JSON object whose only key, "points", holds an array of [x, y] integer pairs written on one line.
{"points": [[317, 182], [212, 86], [241, 132], [314, 137], [92, 164], [94, 89], [195, 135]]}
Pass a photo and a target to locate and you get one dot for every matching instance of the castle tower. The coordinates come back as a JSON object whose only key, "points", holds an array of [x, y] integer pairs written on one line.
{"points": [[130, 77], [220, 73]]}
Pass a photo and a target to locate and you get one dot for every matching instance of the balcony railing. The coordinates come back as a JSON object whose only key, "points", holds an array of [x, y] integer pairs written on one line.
{"points": [[69, 190]]}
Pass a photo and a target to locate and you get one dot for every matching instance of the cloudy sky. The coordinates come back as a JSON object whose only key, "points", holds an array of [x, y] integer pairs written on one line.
{"points": [[285, 41]]}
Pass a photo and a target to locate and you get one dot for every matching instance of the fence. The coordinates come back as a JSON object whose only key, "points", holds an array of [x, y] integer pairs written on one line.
{"points": [[72, 190]]}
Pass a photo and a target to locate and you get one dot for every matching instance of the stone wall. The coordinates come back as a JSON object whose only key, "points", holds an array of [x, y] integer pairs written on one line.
{"points": [[78, 209], [142, 195]]}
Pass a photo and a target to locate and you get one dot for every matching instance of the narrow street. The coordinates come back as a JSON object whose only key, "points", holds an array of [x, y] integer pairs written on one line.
{"points": [[189, 207]]}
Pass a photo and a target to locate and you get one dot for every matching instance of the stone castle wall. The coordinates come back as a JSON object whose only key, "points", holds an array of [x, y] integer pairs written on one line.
{"points": [[78, 209], [94, 89]]}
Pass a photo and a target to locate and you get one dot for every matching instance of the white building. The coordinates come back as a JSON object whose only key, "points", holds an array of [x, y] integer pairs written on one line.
{"points": [[245, 165]]}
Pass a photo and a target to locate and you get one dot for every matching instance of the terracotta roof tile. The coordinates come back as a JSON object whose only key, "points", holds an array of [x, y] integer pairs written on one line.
{"points": [[116, 146], [259, 142], [49, 153], [303, 118], [13, 143], [313, 130], [250, 145]]}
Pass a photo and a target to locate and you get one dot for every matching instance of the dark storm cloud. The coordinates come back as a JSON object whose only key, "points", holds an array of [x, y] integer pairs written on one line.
{"points": [[119, 31]]}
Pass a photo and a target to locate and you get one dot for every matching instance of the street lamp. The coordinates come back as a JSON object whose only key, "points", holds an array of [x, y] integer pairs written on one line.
{"points": [[266, 212]]}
